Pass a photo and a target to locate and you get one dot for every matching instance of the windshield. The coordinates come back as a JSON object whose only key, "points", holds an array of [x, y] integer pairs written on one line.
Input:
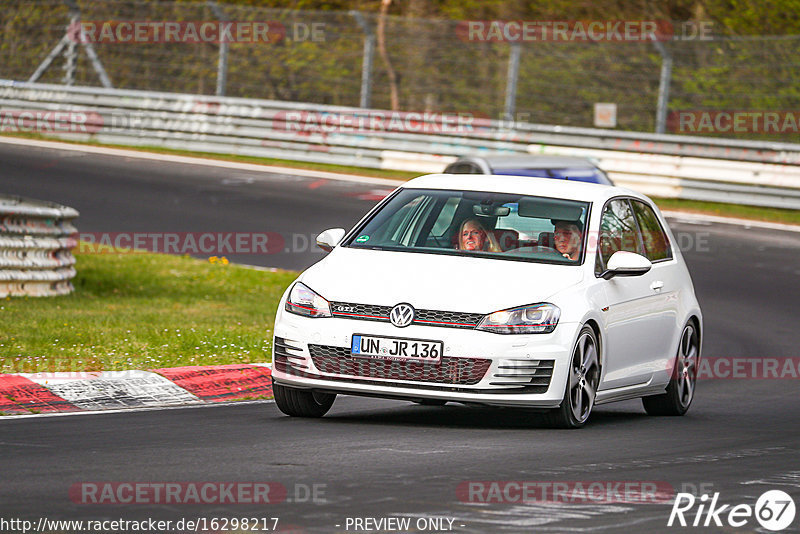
{"points": [[481, 224]]}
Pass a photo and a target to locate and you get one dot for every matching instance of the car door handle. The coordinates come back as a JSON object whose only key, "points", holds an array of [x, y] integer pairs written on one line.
{"points": [[657, 286]]}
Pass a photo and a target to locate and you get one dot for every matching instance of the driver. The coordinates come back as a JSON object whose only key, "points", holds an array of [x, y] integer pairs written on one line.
{"points": [[567, 238], [473, 236]]}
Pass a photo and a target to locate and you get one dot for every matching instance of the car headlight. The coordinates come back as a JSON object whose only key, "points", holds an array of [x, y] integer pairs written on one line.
{"points": [[306, 302], [533, 319]]}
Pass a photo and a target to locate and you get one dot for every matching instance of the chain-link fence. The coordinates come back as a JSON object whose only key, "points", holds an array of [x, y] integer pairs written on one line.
{"points": [[335, 58]]}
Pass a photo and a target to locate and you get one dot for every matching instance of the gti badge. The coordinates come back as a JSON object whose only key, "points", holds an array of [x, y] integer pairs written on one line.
{"points": [[402, 315]]}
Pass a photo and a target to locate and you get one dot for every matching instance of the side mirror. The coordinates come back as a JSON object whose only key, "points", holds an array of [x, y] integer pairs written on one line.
{"points": [[330, 238], [623, 263]]}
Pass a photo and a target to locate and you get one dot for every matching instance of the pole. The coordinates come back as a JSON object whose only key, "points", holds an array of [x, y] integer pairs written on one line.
{"points": [[70, 54], [366, 62], [222, 62], [511, 82], [663, 87]]}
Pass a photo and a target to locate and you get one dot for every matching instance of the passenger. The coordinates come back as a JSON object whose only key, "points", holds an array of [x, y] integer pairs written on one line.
{"points": [[567, 237], [473, 236]]}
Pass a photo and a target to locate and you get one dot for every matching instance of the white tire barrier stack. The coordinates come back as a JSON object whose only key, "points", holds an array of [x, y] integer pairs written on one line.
{"points": [[36, 242]]}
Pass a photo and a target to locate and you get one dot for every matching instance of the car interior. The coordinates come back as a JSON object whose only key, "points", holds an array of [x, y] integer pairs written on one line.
{"points": [[521, 225]]}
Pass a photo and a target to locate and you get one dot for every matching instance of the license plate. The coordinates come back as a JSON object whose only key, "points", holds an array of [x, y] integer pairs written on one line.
{"points": [[395, 348]]}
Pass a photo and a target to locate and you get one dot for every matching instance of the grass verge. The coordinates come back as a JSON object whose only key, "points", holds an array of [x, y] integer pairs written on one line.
{"points": [[144, 311], [731, 210], [714, 208]]}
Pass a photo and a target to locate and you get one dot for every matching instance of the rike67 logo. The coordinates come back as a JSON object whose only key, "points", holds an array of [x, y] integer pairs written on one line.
{"points": [[774, 510]]}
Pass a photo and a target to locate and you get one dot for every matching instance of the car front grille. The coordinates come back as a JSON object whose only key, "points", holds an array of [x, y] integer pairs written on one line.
{"points": [[365, 312], [458, 371], [369, 312]]}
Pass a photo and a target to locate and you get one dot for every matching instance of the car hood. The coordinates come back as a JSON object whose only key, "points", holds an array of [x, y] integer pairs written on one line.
{"points": [[435, 281]]}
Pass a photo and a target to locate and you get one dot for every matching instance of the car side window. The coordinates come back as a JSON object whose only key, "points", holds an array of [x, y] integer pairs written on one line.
{"points": [[618, 231], [655, 240]]}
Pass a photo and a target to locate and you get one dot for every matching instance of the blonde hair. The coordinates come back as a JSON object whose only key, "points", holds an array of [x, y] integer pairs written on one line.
{"points": [[494, 246]]}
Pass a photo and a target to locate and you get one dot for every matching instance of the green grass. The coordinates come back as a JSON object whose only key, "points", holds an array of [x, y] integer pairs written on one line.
{"points": [[715, 208], [144, 311]]}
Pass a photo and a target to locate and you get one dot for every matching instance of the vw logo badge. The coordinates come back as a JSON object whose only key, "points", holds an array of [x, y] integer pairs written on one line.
{"points": [[402, 315]]}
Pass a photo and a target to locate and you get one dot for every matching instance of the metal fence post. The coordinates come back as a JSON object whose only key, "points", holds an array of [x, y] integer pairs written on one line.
{"points": [[71, 37], [48, 60], [366, 62], [222, 62], [98, 67], [511, 82], [70, 55], [77, 37], [663, 87]]}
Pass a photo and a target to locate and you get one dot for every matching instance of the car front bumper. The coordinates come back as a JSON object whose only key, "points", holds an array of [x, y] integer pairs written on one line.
{"points": [[477, 367]]}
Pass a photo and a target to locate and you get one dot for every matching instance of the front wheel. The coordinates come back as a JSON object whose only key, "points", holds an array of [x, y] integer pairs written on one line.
{"points": [[302, 402], [680, 390], [584, 376]]}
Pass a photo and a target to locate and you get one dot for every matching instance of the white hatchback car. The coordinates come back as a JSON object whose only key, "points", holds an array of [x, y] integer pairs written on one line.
{"points": [[503, 291]]}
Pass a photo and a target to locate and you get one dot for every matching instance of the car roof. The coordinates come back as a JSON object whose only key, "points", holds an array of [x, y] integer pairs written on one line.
{"points": [[519, 161], [525, 185]]}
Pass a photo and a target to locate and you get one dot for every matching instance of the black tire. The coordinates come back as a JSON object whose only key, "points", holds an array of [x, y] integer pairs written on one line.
{"points": [[302, 402], [683, 382], [582, 381]]}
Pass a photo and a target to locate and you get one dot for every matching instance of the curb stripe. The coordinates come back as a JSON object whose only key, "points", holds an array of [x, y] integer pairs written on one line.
{"points": [[20, 395], [116, 389], [222, 382]]}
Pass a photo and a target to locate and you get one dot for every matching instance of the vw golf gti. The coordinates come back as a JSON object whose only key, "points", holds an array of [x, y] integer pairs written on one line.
{"points": [[502, 291]]}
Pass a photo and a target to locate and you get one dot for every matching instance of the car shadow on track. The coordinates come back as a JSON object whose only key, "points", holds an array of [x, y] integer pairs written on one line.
{"points": [[459, 416]]}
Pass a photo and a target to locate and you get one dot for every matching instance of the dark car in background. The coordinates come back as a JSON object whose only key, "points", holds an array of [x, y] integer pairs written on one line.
{"points": [[559, 167]]}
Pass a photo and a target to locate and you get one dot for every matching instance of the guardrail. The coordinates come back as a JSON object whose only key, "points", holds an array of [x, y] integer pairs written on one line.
{"points": [[700, 168], [36, 239]]}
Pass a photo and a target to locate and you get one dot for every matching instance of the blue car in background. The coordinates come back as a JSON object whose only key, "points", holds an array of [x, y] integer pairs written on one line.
{"points": [[559, 167]]}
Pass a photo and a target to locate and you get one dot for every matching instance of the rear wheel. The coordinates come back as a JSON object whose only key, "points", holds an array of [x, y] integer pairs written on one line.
{"points": [[584, 376], [302, 402], [681, 387]]}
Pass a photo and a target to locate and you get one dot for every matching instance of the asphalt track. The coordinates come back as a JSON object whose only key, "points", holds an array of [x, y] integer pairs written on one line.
{"points": [[375, 458]]}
